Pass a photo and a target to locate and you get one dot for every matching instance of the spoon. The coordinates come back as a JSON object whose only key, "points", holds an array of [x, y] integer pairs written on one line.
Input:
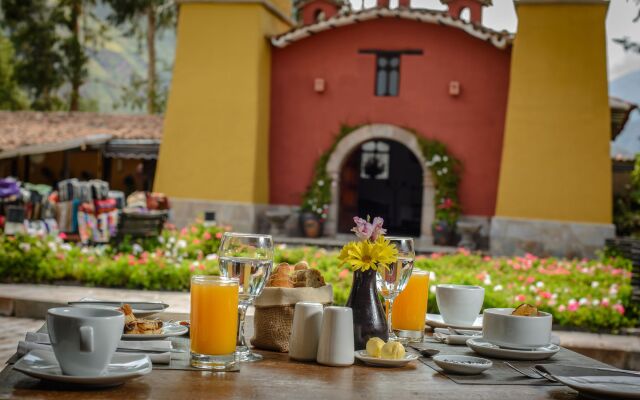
{"points": [[426, 352]]}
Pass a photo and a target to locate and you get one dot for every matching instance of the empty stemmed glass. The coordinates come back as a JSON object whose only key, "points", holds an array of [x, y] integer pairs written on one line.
{"points": [[249, 258], [393, 279]]}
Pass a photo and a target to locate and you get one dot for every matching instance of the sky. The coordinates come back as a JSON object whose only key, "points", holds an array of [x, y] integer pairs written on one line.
{"points": [[502, 15]]}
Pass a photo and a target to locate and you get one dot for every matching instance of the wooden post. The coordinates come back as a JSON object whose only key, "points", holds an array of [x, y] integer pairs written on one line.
{"points": [[99, 166], [27, 168], [65, 164]]}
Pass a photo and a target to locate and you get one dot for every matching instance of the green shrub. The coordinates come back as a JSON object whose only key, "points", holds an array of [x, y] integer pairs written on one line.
{"points": [[589, 294]]}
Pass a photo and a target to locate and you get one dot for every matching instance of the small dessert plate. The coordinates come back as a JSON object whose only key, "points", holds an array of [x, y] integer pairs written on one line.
{"points": [[436, 321], [168, 329], [462, 365], [42, 364], [140, 309], [384, 362], [482, 347]]}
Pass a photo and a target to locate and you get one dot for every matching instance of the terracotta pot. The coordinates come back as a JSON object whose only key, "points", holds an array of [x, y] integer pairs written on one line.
{"points": [[311, 225], [368, 315], [443, 233]]}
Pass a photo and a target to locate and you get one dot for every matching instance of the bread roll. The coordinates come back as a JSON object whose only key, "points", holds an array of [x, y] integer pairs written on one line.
{"points": [[301, 265]]}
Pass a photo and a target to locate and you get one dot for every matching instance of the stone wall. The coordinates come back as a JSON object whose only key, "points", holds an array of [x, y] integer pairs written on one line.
{"points": [[517, 236]]}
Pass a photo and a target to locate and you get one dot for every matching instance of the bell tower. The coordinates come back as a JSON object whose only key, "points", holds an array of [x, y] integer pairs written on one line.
{"points": [[215, 145], [554, 188]]}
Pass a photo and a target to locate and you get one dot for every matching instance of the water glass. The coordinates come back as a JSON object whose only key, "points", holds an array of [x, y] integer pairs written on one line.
{"points": [[393, 279], [249, 259]]}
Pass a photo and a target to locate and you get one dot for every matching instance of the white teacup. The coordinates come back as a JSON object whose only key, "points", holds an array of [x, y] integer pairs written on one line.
{"points": [[84, 339], [459, 304], [515, 331]]}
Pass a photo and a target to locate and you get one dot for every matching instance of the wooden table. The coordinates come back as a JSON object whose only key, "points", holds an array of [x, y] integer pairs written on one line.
{"points": [[276, 377]]}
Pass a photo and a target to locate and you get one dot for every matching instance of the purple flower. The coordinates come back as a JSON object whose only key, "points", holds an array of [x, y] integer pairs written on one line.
{"points": [[368, 231], [377, 229]]}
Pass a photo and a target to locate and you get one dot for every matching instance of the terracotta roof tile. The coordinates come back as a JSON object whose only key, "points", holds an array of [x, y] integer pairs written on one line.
{"points": [[499, 39], [25, 128]]}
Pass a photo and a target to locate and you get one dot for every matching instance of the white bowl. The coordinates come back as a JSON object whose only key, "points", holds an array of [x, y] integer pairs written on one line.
{"points": [[516, 331], [463, 365]]}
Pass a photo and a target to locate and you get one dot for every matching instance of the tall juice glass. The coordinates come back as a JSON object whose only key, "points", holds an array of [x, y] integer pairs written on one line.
{"points": [[410, 307], [214, 322]]}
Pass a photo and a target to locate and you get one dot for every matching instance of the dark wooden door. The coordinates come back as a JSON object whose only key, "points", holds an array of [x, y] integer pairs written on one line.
{"points": [[382, 178]]}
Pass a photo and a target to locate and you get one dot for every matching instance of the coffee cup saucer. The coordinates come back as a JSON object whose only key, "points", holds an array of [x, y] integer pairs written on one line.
{"points": [[482, 347], [436, 321], [42, 364]]}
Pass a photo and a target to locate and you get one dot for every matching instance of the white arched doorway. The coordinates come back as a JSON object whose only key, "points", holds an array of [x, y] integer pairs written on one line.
{"points": [[379, 131]]}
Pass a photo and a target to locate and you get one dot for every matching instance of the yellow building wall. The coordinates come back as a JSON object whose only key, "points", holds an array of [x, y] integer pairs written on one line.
{"points": [[555, 160], [215, 140]]}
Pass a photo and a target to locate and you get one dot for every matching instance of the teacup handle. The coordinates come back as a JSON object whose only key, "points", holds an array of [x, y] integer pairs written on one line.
{"points": [[86, 338]]}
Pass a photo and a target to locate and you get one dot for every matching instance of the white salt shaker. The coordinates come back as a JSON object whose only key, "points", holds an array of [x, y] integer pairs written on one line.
{"points": [[305, 331], [336, 338]]}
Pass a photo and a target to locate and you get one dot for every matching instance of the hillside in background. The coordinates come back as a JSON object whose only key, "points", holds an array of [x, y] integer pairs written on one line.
{"points": [[627, 87], [115, 60]]}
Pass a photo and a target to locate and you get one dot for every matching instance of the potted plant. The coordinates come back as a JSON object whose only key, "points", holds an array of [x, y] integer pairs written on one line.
{"points": [[444, 226], [315, 205]]}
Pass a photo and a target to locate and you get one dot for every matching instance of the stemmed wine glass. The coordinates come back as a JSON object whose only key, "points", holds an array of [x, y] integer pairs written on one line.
{"points": [[393, 279], [249, 258]]}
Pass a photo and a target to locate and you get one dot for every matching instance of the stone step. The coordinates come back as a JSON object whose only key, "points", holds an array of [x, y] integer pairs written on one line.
{"points": [[33, 301]]}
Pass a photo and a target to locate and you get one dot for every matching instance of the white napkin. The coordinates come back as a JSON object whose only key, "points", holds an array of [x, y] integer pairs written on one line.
{"points": [[445, 336], [35, 340]]}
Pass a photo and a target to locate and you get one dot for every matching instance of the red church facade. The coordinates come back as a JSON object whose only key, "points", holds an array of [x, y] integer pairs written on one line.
{"points": [[324, 81]]}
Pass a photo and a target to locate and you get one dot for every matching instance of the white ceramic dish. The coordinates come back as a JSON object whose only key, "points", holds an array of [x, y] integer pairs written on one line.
{"points": [[436, 321], [384, 362], [482, 347], [463, 365], [140, 308], [516, 331], [42, 364], [168, 329], [603, 387], [459, 304]]}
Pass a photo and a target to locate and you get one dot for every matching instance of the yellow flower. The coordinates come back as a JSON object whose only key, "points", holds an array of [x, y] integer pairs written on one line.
{"points": [[365, 255]]}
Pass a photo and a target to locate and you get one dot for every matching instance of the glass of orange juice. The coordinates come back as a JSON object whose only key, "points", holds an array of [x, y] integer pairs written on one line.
{"points": [[410, 308], [214, 322]]}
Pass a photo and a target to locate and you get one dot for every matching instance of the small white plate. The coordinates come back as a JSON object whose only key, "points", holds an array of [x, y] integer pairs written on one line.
{"points": [[604, 387], [42, 364], [140, 309], [463, 365], [436, 321], [384, 362], [482, 347], [168, 329]]}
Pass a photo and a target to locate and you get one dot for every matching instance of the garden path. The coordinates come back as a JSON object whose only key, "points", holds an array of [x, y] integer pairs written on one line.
{"points": [[21, 300]]}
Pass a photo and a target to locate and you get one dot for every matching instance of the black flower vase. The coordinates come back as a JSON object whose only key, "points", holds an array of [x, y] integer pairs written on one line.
{"points": [[368, 315]]}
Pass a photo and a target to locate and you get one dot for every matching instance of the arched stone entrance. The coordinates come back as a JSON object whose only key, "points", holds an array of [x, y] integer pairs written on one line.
{"points": [[379, 131]]}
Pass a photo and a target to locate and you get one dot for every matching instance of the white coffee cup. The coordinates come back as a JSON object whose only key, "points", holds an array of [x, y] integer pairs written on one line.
{"points": [[305, 331], [459, 304], [84, 339], [336, 338]]}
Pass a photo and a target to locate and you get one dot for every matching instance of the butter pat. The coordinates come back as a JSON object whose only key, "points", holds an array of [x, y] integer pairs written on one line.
{"points": [[392, 350], [374, 347]]}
